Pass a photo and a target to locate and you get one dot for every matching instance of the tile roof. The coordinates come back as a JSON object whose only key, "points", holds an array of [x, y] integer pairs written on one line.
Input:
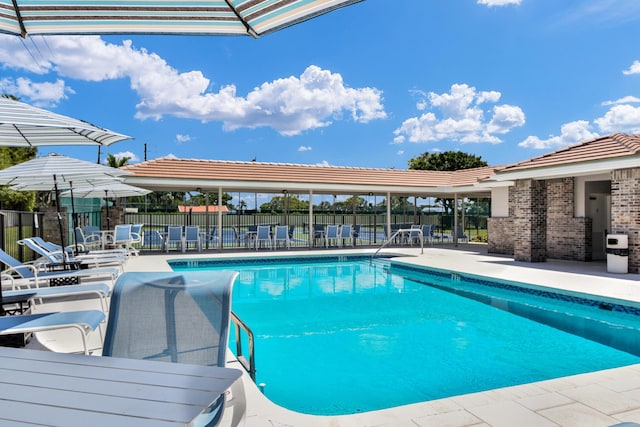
{"points": [[313, 175], [606, 147]]}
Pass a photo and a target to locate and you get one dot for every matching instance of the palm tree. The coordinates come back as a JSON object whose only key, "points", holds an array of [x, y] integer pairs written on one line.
{"points": [[115, 162]]}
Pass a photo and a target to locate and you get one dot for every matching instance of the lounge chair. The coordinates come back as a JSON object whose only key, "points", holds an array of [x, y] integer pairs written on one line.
{"points": [[346, 233], [318, 234], [35, 274], [427, 233], [61, 258], [174, 238], [192, 235], [137, 236], [83, 321], [39, 295], [281, 235], [331, 235], [263, 235], [176, 318]]}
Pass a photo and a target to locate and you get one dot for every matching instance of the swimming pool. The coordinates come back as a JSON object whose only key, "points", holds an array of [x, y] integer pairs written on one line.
{"points": [[340, 335]]}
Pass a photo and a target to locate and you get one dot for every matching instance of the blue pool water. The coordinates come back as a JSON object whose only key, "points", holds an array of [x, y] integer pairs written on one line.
{"points": [[343, 335]]}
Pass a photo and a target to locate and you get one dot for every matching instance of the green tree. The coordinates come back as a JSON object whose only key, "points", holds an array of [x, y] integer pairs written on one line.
{"points": [[446, 161], [9, 156]]}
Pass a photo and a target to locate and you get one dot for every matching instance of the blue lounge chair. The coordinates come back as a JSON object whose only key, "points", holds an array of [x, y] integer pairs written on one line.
{"points": [[192, 235], [346, 233], [59, 258], [35, 274], [331, 235], [83, 321], [173, 317]]}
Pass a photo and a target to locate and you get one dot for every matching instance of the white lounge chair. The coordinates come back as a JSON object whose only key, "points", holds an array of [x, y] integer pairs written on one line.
{"points": [[174, 238], [83, 321], [99, 290], [192, 235], [346, 233], [331, 235]]}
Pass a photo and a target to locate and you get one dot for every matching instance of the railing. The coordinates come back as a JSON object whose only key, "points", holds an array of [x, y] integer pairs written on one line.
{"points": [[248, 365], [403, 231]]}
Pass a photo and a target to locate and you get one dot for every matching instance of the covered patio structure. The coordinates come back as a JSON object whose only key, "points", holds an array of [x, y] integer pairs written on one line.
{"points": [[287, 180]]}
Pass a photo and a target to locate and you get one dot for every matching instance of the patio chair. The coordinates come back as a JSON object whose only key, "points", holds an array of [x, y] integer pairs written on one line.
{"points": [[34, 273], [263, 235], [281, 235], [122, 238], [427, 233], [415, 235], [137, 236], [331, 235], [175, 318], [460, 234], [83, 321], [174, 238], [192, 235], [86, 243], [346, 233], [356, 232], [318, 234]]}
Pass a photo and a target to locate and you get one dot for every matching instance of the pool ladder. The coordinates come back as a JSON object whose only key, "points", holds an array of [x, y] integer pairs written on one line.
{"points": [[248, 365], [406, 231]]}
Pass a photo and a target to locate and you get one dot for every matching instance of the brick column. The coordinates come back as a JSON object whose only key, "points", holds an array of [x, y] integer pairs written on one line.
{"points": [[530, 221], [625, 211], [50, 226]]}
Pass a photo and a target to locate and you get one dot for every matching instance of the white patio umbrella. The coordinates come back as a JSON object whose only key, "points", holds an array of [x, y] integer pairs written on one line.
{"points": [[23, 125], [111, 190], [201, 17], [55, 172]]}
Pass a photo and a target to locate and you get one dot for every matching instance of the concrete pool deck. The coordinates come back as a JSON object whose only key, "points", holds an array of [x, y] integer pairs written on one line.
{"points": [[602, 398]]}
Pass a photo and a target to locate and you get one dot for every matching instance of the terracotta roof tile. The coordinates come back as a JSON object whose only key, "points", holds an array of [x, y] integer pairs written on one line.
{"points": [[297, 173], [606, 147]]}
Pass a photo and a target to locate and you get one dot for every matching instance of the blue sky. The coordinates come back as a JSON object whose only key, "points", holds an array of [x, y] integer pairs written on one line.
{"points": [[370, 85]]}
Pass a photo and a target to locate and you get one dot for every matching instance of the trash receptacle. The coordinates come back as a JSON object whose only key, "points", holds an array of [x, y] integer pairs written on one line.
{"points": [[617, 253]]}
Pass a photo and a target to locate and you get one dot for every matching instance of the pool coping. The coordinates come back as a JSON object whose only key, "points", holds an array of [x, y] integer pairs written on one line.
{"points": [[600, 398]]}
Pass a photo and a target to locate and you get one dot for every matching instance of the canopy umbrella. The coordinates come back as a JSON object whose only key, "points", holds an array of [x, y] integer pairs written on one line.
{"points": [[55, 172], [111, 190], [200, 17], [23, 125]]}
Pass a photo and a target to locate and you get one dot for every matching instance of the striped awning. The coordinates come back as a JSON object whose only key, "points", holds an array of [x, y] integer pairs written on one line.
{"points": [[23, 125], [196, 17]]}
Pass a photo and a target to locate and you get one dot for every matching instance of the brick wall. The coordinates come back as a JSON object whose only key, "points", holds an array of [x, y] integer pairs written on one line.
{"points": [[501, 232], [567, 237], [625, 211], [51, 227], [530, 221]]}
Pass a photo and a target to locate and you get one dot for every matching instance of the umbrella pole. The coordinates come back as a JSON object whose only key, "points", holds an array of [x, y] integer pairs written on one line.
{"points": [[74, 216], [64, 254], [106, 204]]}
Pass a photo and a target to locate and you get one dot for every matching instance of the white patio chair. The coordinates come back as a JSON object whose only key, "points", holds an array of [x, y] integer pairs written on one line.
{"points": [[331, 235], [346, 233]]}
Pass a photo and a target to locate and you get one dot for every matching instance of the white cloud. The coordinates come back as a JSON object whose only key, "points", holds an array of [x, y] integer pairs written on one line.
{"points": [[398, 140], [570, 133], [623, 100], [303, 148], [183, 138], [289, 105], [633, 69], [323, 163], [620, 118], [492, 3], [44, 94], [461, 117], [400, 152]]}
